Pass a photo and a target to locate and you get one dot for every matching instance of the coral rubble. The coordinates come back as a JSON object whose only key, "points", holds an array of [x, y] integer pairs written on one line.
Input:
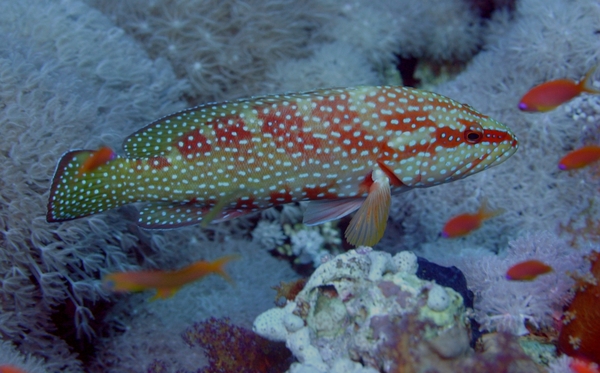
{"points": [[367, 306]]}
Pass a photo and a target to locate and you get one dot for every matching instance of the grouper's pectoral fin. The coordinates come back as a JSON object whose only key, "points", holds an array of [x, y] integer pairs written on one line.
{"points": [[368, 224], [318, 212]]}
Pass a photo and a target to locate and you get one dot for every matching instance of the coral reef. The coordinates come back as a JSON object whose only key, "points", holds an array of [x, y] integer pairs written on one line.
{"points": [[352, 303], [82, 74], [502, 305], [365, 311], [522, 48]]}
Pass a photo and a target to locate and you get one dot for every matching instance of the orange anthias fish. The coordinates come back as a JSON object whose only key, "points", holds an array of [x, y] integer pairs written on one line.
{"points": [[464, 224], [579, 158], [344, 149], [579, 365], [96, 159], [527, 271], [547, 96], [10, 369], [166, 283]]}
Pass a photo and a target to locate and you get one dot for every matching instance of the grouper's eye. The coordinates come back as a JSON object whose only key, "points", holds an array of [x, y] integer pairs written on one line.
{"points": [[472, 137]]}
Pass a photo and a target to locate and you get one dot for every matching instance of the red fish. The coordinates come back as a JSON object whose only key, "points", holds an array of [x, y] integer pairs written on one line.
{"points": [[579, 158], [166, 283], [345, 150], [547, 96], [5, 368], [464, 224], [96, 159], [579, 365], [527, 271]]}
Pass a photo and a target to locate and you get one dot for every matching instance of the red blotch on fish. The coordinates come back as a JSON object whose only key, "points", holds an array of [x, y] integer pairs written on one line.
{"points": [[232, 133], [192, 145], [317, 193], [580, 158], [137, 165], [158, 163], [246, 203], [281, 197], [464, 224], [286, 125], [547, 96], [96, 159], [527, 271]]}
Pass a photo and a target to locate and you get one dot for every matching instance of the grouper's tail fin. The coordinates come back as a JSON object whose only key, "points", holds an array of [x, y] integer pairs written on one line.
{"points": [[74, 194]]}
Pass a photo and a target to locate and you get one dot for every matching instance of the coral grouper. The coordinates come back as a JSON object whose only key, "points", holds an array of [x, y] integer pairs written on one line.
{"points": [[344, 149]]}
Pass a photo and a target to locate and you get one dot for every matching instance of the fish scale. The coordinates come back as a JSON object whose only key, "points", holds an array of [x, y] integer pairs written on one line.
{"points": [[345, 149]]}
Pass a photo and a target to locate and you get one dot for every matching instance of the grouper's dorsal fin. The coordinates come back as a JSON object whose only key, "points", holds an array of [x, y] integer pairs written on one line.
{"points": [[159, 137], [192, 131], [196, 130]]}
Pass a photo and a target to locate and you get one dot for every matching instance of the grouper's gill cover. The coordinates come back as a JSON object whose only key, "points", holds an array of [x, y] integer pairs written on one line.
{"points": [[344, 149]]}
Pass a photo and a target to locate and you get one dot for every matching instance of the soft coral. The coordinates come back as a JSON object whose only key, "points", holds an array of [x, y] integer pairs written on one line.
{"points": [[581, 324]]}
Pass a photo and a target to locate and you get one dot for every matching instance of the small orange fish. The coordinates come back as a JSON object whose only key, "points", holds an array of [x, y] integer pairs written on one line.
{"points": [[583, 366], [579, 158], [6, 368], [96, 159], [547, 96], [527, 271], [166, 283], [463, 224]]}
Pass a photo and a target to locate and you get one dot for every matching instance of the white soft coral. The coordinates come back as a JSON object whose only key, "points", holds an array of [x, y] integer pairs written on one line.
{"points": [[504, 305]]}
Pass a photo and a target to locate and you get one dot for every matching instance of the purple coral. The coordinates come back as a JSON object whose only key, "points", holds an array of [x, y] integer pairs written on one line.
{"points": [[233, 349], [502, 305]]}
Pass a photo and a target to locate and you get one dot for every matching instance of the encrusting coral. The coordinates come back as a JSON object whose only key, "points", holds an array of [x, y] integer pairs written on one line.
{"points": [[365, 311]]}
